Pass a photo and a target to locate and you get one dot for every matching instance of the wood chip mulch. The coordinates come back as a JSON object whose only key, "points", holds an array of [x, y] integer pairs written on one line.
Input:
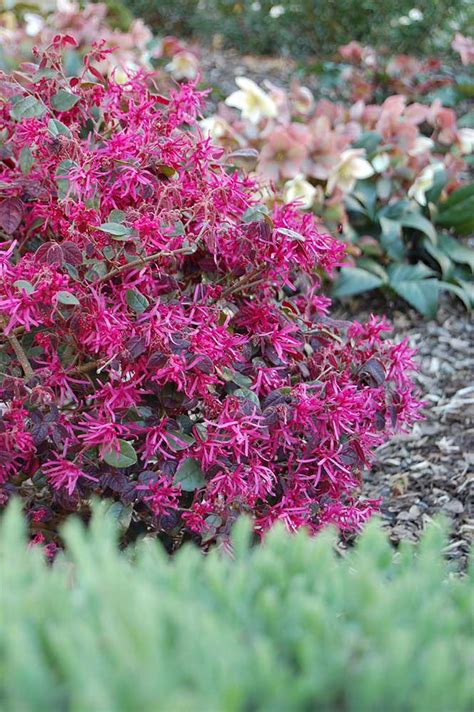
{"points": [[431, 470]]}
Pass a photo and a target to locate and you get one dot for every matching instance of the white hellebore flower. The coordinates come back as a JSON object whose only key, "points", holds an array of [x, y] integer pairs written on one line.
{"points": [[184, 65], [33, 24], [423, 182], [299, 189], [252, 101], [466, 138], [422, 145], [215, 127], [352, 166], [381, 162]]}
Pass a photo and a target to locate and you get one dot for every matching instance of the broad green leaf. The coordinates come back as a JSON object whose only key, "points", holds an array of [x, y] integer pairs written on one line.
{"points": [[417, 221], [125, 457], [116, 216], [456, 250], [391, 238], [189, 475], [23, 285], [353, 280], [247, 394], [67, 298], [27, 107], [458, 196], [26, 160], [458, 211], [462, 294], [57, 128], [178, 441], [136, 301], [368, 140], [256, 212], [120, 514], [437, 254], [64, 100], [116, 230], [291, 233], [411, 283], [373, 266]]}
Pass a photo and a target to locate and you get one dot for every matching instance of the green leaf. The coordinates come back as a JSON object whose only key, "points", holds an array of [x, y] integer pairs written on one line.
{"points": [[456, 250], [291, 233], [368, 140], [353, 280], [67, 298], [437, 254], [462, 294], [26, 160], [136, 301], [189, 475], [458, 211], [178, 441], [23, 285], [417, 221], [116, 216], [371, 265], [57, 128], [120, 514], [62, 181], [391, 238], [411, 283], [26, 107], [125, 457], [247, 394], [256, 212], [63, 100], [116, 230], [458, 196]]}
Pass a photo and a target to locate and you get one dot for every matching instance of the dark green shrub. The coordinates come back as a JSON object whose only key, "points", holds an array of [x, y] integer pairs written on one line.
{"points": [[310, 27], [285, 626]]}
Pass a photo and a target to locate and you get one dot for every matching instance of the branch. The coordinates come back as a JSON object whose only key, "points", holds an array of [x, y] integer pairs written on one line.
{"points": [[18, 349], [141, 261]]}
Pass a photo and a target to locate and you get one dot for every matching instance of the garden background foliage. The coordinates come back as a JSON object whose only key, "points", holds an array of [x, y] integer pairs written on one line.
{"points": [[286, 625]]}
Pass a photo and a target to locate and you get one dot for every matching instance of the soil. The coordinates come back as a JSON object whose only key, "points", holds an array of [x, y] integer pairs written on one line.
{"points": [[430, 471]]}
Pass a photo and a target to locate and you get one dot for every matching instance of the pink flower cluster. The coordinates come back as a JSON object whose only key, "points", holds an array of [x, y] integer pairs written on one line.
{"points": [[165, 343], [316, 150]]}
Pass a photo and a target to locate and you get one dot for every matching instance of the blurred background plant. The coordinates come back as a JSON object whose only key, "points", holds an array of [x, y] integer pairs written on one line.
{"points": [[268, 27], [24, 25], [386, 163]]}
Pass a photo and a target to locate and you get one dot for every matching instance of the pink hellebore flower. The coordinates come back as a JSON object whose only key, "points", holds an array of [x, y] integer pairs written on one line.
{"points": [[352, 166], [464, 46], [284, 152]]}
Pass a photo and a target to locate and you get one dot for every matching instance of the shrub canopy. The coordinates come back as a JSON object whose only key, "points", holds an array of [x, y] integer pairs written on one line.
{"points": [[166, 342]]}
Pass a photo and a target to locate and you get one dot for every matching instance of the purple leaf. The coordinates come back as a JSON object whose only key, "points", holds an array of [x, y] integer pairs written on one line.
{"points": [[11, 213]]}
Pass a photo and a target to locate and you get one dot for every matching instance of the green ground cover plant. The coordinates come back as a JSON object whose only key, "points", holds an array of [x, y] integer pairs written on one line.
{"points": [[287, 625]]}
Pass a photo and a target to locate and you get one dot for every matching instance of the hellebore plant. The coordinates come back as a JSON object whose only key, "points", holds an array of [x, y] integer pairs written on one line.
{"points": [[164, 344], [392, 176]]}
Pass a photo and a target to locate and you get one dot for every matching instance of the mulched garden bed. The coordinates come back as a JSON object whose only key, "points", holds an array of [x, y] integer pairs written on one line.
{"points": [[430, 471]]}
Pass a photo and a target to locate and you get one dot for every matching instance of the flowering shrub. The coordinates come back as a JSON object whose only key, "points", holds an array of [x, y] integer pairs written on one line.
{"points": [[393, 176], [133, 44], [164, 341]]}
